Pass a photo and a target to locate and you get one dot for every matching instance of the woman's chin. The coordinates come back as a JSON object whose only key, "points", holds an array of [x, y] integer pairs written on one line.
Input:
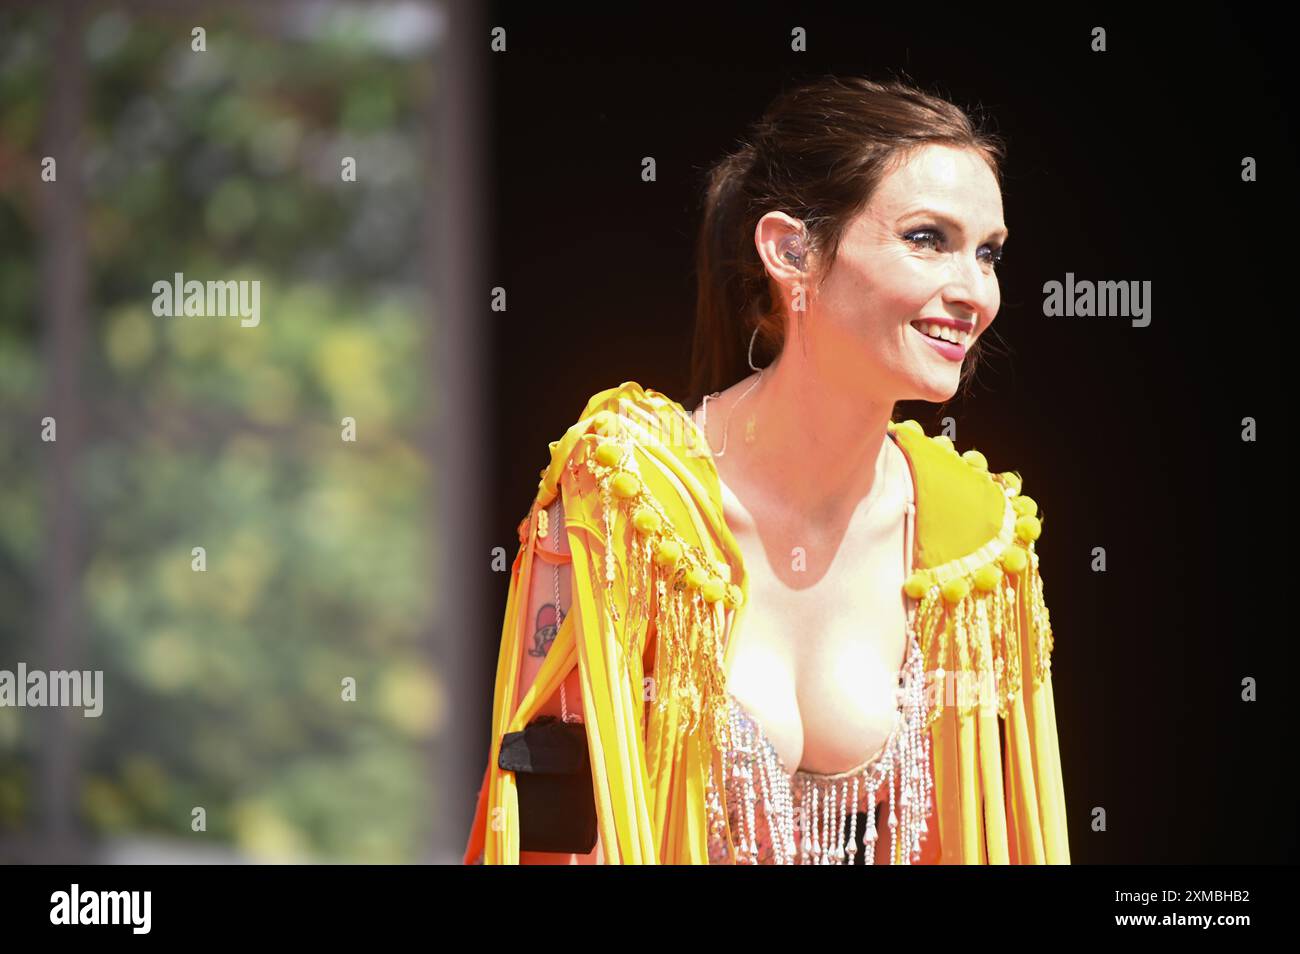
{"points": [[936, 390]]}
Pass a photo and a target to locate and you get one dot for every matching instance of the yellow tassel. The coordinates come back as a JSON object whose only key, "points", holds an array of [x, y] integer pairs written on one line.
{"points": [[681, 661], [983, 647], [928, 622], [993, 615], [1040, 619], [638, 584], [716, 721], [666, 626], [690, 687], [963, 660], [937, 629], [1011, 629], [948, 661]]}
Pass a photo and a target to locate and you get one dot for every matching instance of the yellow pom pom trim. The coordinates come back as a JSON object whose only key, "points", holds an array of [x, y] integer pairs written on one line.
{"points": [[976, 459], [918, 584], [668, 553], [987, 577], [1025, 506], [1014, 559], [713, 589], [1011, 480], [944, 441], [625, 485], [696, 578], [1028, 529], [956, 589], [608, 453], [646, 520], [735, 595]]}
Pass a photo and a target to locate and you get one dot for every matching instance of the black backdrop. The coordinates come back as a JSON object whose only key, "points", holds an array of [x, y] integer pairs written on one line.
{"points": [[1122, 166]]}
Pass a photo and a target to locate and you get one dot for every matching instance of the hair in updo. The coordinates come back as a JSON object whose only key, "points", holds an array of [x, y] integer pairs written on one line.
{"points": [[818, 154]]}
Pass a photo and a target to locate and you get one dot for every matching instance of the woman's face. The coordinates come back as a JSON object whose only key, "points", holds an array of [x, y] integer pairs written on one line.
{"points": [[924, 247]]}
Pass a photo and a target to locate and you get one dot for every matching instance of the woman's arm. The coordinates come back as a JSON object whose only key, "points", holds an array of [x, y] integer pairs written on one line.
{"points": [[543, 620]]}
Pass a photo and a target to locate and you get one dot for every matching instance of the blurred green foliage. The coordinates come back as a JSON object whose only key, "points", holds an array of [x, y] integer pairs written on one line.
{"points": [[223, 688]]}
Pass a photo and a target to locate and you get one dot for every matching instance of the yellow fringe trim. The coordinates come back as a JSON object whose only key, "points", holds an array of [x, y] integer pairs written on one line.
{"points": [[972, 649], [688, 670]]}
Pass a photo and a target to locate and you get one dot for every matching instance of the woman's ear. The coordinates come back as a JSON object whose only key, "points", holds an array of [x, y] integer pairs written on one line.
{"points": [[782, 245]]}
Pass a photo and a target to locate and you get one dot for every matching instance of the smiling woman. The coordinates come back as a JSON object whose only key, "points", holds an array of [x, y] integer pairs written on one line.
{"points": [[855, 238]]}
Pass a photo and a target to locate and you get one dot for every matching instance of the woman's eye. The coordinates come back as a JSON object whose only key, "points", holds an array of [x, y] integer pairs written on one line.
{"points": [[927, 236], [934, 233]]}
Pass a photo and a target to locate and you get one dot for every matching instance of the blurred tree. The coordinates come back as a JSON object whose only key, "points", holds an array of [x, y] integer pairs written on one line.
{"points": [[224, 687]]}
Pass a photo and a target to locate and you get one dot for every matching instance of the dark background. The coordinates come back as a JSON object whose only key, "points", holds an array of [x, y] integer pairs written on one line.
{"points": [[1123, 165]]}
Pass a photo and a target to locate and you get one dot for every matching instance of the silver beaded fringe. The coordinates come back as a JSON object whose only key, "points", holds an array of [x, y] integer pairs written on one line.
{"points": [[825, 807]]}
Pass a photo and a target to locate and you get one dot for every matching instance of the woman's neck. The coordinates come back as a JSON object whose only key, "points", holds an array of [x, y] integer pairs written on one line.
{"points": [[816, 455]]}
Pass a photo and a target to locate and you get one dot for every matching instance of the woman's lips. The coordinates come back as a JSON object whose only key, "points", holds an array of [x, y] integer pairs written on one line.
{"points": [[953, 352]]}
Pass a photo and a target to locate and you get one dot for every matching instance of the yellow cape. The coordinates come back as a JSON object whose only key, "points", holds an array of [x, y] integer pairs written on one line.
{"points": [[646, 632]]}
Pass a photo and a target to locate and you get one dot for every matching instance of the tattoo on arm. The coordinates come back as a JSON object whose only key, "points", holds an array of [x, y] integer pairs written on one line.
{"points": [[547, 626]]}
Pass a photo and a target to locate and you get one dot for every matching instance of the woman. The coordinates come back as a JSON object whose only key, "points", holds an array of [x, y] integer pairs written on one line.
{"points": [[786, 576]]}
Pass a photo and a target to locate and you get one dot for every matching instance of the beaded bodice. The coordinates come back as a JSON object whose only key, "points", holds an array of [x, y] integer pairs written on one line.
{"points": [[814, 818]]}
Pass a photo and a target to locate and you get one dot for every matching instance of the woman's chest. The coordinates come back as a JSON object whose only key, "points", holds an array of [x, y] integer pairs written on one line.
{"points": [[817, 660]]}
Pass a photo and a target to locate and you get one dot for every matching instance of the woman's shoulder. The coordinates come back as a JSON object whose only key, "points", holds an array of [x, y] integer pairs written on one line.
{"points": [[632, 410], [637, 453], [626, 416]]}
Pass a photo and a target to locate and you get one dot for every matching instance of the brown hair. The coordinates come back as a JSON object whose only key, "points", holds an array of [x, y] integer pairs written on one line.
{"points": [[818, 154]]}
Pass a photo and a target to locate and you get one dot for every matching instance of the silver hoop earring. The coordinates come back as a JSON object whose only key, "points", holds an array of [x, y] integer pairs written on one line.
{"points": [[752, 366]]}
